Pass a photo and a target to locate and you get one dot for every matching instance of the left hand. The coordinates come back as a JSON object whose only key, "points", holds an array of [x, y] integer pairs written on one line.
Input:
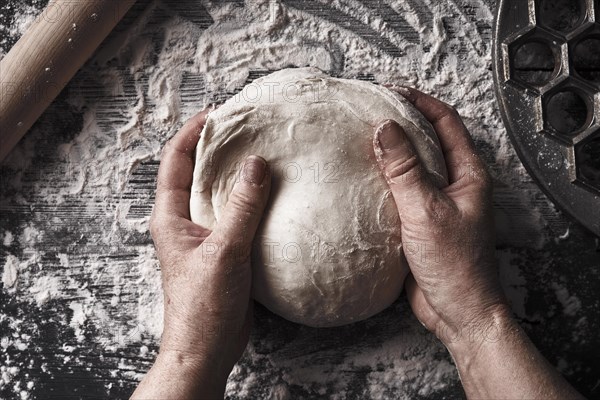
{"points": [[206, 275]]}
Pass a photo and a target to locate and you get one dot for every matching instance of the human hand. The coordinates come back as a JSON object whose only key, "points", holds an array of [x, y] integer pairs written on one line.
{"points": [[206, 275], [447, 233], [448, 241]]}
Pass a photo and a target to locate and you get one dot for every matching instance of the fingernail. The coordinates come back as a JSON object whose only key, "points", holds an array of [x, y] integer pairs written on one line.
{"points": [[254, 169], [390, 135], [406, 92]]}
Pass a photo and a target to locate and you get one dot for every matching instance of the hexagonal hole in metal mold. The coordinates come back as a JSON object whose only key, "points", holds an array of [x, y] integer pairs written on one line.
{"points": [[562, 16], [585, 56], [535, 59], [567, 110], [587, 160]]}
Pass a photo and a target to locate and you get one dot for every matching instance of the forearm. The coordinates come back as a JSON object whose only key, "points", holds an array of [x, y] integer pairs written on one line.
{"points": [[174, 376], [500, 362]]}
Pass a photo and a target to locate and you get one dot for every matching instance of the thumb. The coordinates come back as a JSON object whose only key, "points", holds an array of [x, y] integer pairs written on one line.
{"points": [[237, 226], [400, 163]]}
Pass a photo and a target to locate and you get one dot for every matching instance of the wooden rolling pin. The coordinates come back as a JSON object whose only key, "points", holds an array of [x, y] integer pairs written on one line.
{"points": [[60, 40]]}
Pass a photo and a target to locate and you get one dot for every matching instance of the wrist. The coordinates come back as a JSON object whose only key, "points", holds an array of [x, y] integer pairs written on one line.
{"points": [[467, 342], [175, 375], [198, 375], [499, 360], [202, 349]]}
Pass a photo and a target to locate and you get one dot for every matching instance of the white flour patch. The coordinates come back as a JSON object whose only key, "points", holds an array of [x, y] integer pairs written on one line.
{"points": [[45, 288], [11, 268], [8, 239], [139, 90], [407, 362], [571, 303]]}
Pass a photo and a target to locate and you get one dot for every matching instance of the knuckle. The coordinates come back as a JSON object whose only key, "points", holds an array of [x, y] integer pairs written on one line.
{"points": [[153, 226], [451, 111], [244, 201], [436, 211], [482, 177], [196, 124], [158, 224], [454, 112], [432, 213], [167, 148], [165, 153], [487, 183], [408, 169]]}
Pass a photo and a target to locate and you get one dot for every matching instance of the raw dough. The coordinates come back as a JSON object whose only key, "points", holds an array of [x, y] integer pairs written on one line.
{"points": [[328, 251]]}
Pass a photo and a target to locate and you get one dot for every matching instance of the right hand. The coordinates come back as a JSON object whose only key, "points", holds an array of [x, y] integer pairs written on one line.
{"points": [[447, 233]]}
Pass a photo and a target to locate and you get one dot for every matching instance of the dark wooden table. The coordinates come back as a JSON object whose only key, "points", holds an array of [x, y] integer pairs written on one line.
{"points": [[75, 196]]}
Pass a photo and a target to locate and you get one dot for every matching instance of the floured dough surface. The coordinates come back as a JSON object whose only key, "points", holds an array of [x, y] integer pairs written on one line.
{"points": [[328, 251]]}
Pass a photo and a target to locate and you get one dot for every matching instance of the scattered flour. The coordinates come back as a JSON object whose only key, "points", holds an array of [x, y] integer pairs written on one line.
{"points": [[9, 274], [8, 239], [571, 304], [46, 288], [144, 83]]}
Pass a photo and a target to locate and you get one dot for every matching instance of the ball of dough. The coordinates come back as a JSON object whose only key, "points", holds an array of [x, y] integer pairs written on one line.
{"points": [[328, 251]]}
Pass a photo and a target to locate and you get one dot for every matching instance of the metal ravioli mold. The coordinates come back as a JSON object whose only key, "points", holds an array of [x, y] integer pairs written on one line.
{"points": [[547, 75]]}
